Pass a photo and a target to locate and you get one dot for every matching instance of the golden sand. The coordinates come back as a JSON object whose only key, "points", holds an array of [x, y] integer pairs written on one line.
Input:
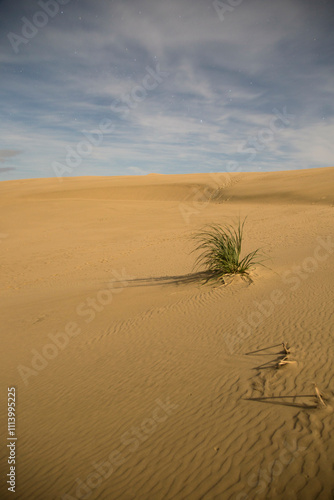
{"points": [[136, 381]]}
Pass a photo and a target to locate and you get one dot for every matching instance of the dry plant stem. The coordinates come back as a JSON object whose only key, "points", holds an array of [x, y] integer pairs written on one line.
{"points": [[285, 362], [286, 348], [319, 396]]}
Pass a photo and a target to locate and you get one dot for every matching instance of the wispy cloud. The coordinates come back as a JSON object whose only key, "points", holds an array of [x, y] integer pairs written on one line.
{"points": [[7, 153], [225, 79], [4, 170]]}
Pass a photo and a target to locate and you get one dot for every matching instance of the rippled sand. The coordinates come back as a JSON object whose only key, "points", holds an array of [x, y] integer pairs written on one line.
{"points": [[136, 381]]}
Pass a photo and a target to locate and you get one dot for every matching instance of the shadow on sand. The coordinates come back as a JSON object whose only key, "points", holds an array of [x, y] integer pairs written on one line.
{"points": [[202, 278], [286, 403]]}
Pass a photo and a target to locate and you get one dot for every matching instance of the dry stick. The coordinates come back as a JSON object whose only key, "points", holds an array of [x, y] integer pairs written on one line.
{"points": [[286, 348], [285, 361], [319, 396]]}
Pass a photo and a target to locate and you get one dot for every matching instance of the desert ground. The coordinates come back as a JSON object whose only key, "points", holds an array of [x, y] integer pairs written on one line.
{"points": [[135, 380]]}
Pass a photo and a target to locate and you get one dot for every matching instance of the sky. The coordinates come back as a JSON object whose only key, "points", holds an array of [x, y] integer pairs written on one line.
{"points": [[98, 87]]}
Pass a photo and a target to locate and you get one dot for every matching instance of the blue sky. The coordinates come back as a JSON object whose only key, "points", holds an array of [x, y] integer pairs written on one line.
{"points": [[133, 87]]}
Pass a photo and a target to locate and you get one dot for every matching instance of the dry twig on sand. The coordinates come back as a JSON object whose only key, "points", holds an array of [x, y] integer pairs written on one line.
{"points": [[286, 348], [319, 396], [285, 361]]}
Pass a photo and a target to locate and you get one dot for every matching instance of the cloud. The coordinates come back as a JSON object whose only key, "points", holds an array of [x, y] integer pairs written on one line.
{"points": [[7, 153], [225, 79], [4, 170]]}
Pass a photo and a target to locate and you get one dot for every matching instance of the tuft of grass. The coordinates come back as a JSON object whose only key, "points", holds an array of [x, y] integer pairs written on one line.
{"points": [[220, 247]]}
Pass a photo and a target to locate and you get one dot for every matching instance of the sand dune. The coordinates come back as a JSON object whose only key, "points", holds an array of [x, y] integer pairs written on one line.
{"points": [[136, 381]]}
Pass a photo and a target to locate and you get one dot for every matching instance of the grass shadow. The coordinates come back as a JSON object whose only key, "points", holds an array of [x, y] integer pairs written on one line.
{"points": [[203, 278]]}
